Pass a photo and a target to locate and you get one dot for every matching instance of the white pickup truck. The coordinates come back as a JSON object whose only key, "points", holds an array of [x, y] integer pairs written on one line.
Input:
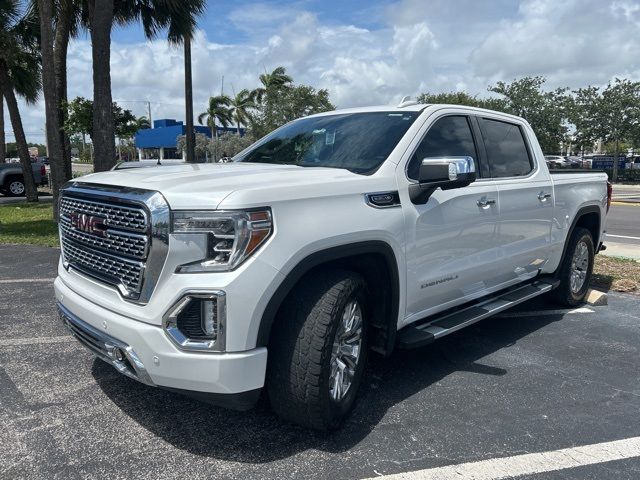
{"points": [[335, 235]]}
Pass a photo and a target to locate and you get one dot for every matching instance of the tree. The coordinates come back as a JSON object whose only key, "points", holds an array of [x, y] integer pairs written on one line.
{"points": [[101, 15], [287, 104], [273, 81], [177, 17], [240, 106], [279, 101], [52, 112], [79, 118], [610, 114], [226, 145], [19, 74], [217, 112], [67, 25], [546, 111], [463, 98]]}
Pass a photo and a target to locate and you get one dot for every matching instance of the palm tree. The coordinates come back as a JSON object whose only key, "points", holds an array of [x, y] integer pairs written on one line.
{"points": [[55, 133], [67, 25], [19, 74], [142, 123], [217, 112], [177, 17], [271, 81], [240, 106]]}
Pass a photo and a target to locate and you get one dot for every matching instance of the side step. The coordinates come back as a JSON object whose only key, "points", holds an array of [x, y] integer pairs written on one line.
{"points": [[414, 336]]}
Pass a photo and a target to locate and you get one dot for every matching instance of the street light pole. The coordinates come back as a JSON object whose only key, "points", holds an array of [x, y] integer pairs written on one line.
{"points": [[188, 94]]}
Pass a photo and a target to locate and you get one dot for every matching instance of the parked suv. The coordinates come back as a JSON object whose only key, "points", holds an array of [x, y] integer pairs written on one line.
{"points": [[336, 235]]}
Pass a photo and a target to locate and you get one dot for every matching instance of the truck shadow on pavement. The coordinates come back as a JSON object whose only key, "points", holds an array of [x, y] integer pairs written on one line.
{"points": [[258, 436]]}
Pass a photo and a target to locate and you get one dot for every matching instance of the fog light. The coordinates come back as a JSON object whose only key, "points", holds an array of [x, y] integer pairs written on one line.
{"points": [[209, 316], [196, 322]]}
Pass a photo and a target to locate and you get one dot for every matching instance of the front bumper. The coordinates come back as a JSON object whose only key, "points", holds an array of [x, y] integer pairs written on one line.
{"points": [[145, 353]]}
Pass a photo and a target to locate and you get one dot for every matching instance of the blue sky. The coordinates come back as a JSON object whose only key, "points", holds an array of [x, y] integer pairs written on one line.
{"points": [[368, 52]]}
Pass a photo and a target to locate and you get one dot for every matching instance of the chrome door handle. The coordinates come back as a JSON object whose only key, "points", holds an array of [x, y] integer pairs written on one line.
{"points": [[484, 202], [543, 196]]}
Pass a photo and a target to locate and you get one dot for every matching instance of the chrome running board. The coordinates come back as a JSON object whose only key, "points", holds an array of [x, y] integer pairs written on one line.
{"points": [[425, 332]]}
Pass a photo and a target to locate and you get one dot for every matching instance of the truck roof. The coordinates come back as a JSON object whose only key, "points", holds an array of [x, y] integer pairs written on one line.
{"points": [[413, 107]]}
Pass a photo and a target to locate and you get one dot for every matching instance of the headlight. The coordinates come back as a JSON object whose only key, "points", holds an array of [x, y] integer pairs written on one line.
{"points": [[232, 236]]}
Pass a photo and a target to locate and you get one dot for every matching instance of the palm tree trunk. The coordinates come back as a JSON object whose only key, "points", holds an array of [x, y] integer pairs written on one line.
{"points": [[56, 158], [238, 128], [101, 20], [188, 95], [3, 143], [18, 132], [60, 47]]}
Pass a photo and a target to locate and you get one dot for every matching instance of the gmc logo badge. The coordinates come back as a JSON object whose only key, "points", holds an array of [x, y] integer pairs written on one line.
{"points": [[88, 223]]}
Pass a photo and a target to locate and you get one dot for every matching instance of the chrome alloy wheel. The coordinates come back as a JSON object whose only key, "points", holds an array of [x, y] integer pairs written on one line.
{"points": [[346, 351], [579, 267], [16, 187]]}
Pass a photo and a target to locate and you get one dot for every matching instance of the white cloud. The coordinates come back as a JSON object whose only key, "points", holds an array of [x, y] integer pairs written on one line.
{"points": [[440, 45]]}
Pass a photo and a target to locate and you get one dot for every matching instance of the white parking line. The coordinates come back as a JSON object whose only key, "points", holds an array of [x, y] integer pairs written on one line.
{"points": [[542, 313], [622, 236], [16, 342], [530, 463], [28, 280]]}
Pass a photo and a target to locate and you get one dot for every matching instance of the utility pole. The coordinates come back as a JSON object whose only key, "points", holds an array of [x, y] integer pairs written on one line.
{"points": [[149, 109], [188, 94]]}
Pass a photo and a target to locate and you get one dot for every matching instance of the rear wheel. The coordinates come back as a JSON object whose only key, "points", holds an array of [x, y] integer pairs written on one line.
{"points": [[318, 349], [576, 268], [14, 187]]}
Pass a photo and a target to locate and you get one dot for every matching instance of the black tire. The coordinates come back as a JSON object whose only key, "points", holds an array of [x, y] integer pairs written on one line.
{"points": [[14, 187], [564, 294], [301, 345]]}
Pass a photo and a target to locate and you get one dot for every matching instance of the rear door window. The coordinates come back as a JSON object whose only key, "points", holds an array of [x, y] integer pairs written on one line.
{"points": [[506, 148]]}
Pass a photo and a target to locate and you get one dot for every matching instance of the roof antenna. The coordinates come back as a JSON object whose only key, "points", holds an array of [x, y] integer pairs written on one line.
{"points": [[406, 101]]}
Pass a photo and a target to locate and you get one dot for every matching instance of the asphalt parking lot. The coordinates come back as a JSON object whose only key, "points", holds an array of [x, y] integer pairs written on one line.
{"points": [[531, 381]]}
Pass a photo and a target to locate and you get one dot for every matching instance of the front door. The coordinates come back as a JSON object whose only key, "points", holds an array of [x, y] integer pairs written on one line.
{"points": [[452, 244]]}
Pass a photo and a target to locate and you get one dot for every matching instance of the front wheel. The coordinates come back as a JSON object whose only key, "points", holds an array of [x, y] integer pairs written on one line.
{"points": [[15, 187], [576, 268], [318, 349]]}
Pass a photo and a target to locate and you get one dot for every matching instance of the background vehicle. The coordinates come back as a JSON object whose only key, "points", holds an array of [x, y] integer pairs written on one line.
{"points": [[12, 180], [556, 161], [338, 234]]}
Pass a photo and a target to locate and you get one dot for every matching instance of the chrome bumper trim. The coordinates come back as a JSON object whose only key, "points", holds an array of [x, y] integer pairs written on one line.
{"points": [[105, 347]]}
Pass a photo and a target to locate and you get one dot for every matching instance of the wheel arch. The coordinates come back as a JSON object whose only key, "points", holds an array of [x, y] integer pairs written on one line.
{"points": [[374, 260], [588, 217]]}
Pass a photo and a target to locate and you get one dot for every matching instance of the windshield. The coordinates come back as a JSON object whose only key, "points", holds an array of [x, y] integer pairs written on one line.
{"points": [[358, 142]]}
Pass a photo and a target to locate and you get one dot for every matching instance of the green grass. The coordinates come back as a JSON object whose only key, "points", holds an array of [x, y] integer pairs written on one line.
{"points": [[30, 223]]}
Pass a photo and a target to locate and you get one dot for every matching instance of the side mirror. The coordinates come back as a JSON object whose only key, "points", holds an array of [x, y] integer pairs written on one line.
{"points": [[442, 172]]}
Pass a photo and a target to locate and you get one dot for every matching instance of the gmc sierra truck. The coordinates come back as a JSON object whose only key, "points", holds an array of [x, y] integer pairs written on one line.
{"points": [[336, 235]]}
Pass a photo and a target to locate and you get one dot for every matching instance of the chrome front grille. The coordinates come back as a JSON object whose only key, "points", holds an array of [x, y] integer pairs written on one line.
{"points": [[132, 245], [117, 216], [118, 236], [114, 270]]}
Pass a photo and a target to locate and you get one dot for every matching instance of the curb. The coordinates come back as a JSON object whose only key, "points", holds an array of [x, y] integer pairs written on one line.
{"points": [[596, 298]]}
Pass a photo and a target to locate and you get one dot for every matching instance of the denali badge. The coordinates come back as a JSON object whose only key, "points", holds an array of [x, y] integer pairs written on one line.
{"points": [[439, 281], [88, 223]]}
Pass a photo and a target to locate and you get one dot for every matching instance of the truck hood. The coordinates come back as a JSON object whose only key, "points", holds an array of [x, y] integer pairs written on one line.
{"points": [[205, 186]]}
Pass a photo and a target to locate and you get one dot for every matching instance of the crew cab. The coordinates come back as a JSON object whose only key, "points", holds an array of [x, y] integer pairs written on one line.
{"points": [[336, 235]]}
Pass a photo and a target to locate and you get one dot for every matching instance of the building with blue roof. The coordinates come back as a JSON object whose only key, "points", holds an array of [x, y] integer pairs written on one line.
{"points": [[161, 141]]}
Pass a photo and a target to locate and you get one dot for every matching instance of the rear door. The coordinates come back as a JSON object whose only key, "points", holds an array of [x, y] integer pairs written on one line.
{"points": [[525, 193], [451, 240]]}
